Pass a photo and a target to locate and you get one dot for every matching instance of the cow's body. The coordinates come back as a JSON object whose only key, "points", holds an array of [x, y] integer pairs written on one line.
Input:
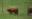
{"points": [[11, 10], [30, 12]]}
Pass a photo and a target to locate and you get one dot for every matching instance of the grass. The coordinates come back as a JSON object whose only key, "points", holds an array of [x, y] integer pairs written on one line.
{"points": [[22, 10]]}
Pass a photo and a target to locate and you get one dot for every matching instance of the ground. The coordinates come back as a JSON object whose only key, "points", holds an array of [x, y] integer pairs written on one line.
{"points": [[22, 6]]}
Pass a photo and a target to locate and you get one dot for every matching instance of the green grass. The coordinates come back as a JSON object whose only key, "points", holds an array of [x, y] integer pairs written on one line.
{"points": [[22, 6]]}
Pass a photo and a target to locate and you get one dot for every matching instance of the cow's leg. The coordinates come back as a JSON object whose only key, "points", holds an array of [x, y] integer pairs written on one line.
{"points": [[16, 12]]}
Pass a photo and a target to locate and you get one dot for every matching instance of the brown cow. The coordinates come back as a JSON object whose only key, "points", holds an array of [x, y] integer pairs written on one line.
{"points": [[11, 10]]}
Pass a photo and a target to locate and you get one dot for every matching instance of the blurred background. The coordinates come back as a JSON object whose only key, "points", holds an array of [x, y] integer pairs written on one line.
{"points": [[22, 6]]}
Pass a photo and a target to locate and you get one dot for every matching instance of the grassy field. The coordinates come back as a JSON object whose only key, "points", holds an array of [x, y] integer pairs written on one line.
{"points": [[22, 5]]}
